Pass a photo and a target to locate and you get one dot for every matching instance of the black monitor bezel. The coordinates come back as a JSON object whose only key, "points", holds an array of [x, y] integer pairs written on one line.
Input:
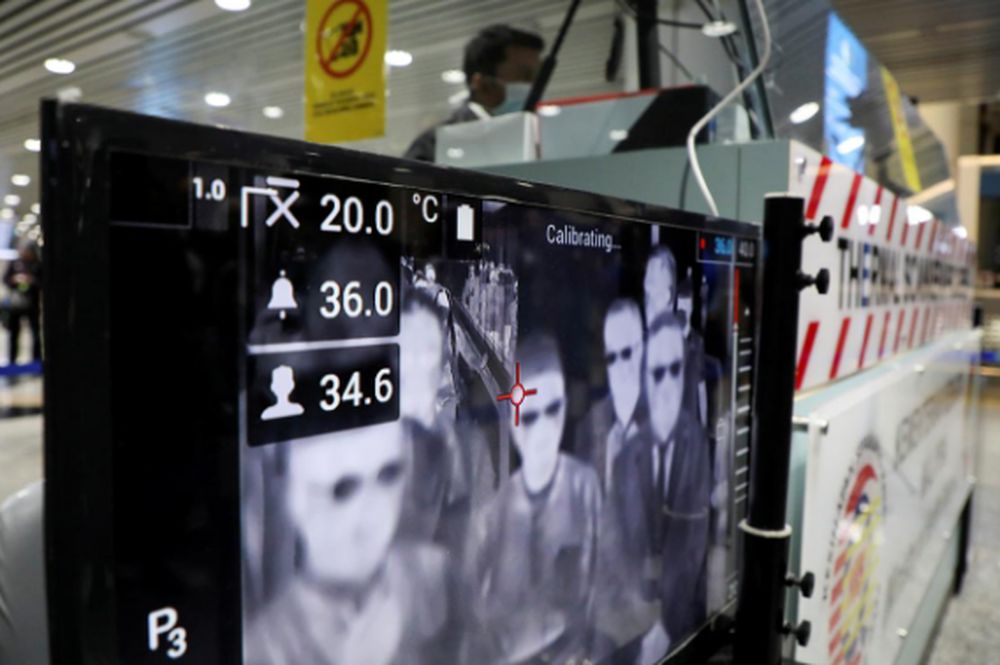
{"points": [[78, 458]]}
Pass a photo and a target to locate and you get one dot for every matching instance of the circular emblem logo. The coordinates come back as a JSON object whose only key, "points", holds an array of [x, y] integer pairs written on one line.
{"points": [[344, 37], [852, 580]]}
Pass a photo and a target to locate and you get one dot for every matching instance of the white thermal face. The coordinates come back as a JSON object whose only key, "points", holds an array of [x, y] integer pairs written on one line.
{"points": [[665, 380], [658, 286], [539, 433], [345, 494], [623, 359], [421, 354], [685, 305]]}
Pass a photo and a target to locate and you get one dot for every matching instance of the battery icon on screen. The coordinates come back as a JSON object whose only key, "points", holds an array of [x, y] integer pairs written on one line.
{"points": [[465, 226]]}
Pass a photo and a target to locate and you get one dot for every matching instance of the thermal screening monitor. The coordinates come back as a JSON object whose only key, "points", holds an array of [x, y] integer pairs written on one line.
{"points": [[309, 406]]}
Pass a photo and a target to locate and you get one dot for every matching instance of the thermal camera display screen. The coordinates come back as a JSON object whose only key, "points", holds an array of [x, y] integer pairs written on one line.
{"points": [[429, 420]]}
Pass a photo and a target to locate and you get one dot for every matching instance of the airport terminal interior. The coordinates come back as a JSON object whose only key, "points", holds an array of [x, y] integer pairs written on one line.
{"points": [[507, 332]]}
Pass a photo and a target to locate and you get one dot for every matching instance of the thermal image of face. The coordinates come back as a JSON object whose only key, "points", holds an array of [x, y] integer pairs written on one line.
{"points": [[665, 375], [659, 284], [344, 497], [421, 355], [543, 416], [623, 357]]}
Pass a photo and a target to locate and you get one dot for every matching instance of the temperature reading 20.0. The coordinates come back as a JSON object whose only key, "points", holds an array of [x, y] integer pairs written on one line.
{"points": [[333, 396]]}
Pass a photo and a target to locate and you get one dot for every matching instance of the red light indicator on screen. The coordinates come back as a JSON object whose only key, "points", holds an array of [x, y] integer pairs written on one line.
{"points": [[518, 393], [702, 243]]}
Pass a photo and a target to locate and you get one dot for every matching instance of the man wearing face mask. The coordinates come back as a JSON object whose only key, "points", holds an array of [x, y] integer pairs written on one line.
{"points": [[357, 595], [664, 489], [500, 64], [538, 538]]}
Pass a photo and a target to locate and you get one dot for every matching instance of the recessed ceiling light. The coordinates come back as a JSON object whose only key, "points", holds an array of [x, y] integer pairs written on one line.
{"points": [[549, 110], [12, 199], [21, 179], [804, 113], [217, 99], [30, 218], [960, 231], [34, 145], [233, 5], [6, 213], [718, 28], [453, 76], [60, 66], [851, 144], [36, 208], [396, 58], [455, 153], [273, 112], [918, 214], [618, 134]]}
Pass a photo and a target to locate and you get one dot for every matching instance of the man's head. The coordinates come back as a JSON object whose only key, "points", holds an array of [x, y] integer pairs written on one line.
{"points": [[500, 63], [345, 494], [623, 356], [664, 374], [659, 284], [421, 355], [685, 304], [543, 414]]}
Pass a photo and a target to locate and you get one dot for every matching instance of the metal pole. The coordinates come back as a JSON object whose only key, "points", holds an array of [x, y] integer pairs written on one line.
{"points": [[760, 614], [648, 39]]}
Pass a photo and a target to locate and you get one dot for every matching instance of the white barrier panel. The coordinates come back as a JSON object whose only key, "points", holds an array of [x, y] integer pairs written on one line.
{"points": [[884, 487], [898, 278]]}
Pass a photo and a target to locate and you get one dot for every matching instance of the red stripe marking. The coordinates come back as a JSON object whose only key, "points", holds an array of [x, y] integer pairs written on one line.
{"points": [[838, 660], [899, 330], [835, 619], [835, 365], [927, 320], [851, 200], [920, 235], [885, 329], [878, 202], [892, 218], [807, 347], [838, 588], [906, 232], [835, 642], [857, 658], [934, 230], [867, 473], [736, 296], [913, 326], [864, 342], [818, 186]]}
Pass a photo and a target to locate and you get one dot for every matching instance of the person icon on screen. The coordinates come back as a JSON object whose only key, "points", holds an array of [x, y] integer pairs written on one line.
{"points": [[282, 385]]}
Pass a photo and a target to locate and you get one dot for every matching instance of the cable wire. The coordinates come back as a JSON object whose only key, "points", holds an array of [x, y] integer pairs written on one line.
{"points": [[733, 94]]}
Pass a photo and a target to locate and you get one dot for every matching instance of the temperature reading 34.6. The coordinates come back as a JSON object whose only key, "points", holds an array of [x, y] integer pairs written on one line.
{"points": [[333, 395]]}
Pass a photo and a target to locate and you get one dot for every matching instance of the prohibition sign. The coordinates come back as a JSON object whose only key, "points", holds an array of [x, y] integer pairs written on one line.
{"points": [[360, 19]]}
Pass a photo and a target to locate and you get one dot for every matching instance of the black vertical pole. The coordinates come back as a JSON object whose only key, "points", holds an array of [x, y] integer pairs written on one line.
{"points": [[648, 39], [760, 614]]}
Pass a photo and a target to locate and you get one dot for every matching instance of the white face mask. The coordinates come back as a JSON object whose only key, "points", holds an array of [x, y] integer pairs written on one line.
{"points": [[516, 94]]}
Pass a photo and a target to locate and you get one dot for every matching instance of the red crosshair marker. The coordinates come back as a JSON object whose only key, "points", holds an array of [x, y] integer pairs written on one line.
{"points": [[518, 393]]}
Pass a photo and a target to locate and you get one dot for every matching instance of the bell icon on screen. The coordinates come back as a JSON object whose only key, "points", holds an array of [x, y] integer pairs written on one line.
{"points": [[282, 385], [282, 296]]}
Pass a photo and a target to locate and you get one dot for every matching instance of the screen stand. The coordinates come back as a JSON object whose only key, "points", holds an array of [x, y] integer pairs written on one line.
{"points": [[760, 625]]}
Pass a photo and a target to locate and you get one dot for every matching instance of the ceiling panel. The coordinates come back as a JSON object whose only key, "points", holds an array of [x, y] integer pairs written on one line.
{"points": [[162, 57], [938, 51]]}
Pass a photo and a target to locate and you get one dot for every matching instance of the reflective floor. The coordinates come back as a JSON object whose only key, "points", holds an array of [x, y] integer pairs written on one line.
{"points": [[970, 629]]}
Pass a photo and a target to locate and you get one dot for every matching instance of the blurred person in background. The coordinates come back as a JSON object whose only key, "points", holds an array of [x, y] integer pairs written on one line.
{"points": [[500, 64], [23, 279]]}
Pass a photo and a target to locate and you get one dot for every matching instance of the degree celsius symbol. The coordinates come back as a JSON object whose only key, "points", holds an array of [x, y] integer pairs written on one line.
{"points": [[429, 205]]}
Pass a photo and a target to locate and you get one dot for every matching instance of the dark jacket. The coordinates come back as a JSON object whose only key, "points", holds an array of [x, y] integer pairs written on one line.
{"points": [[424, 146], [668, 536]]}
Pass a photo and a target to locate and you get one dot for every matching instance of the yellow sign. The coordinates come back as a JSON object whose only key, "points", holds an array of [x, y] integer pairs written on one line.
{"points": [[345, 75], [902, 132]]}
